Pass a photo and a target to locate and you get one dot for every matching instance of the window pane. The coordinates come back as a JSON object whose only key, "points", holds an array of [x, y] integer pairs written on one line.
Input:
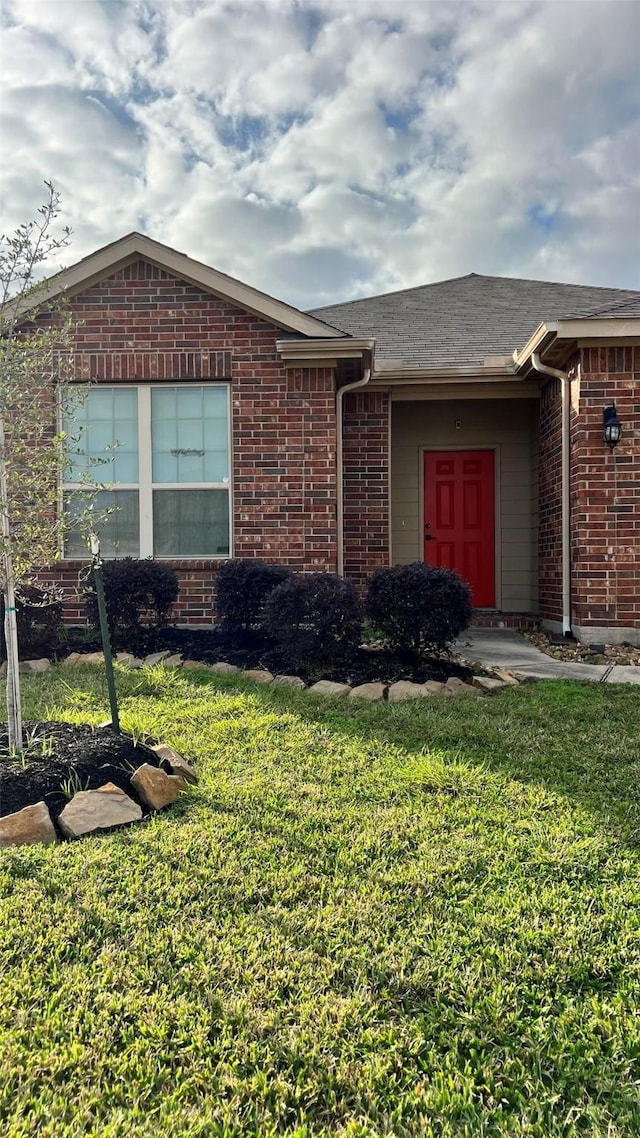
{"points": [[119, 532], [189, 430], [104, 436], [190, 523]]}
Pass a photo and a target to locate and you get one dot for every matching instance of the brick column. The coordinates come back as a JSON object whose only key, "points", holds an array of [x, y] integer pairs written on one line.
{"points": [[605, 493], [366, 466]]}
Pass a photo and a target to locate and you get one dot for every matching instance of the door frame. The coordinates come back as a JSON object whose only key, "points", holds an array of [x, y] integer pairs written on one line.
{"points": [[497, 479]]}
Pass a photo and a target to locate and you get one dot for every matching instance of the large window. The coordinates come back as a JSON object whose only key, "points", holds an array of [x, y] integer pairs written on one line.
{"points": [[164, 451]]}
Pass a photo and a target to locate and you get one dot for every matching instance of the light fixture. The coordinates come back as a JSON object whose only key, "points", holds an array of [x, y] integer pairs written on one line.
{"points": [[611, 426]]}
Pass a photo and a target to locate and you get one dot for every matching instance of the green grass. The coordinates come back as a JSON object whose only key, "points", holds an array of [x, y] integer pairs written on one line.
{"points": [[385, 920]]}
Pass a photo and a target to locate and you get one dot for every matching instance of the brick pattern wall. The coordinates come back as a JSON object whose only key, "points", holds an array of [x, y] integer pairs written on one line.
{"points": [[550, 503], [366, 483], [141, 324], [605, 491]]}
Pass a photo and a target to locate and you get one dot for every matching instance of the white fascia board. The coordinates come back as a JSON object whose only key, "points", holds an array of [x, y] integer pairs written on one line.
{"points": [[478, 373], [611, 328], [136, 245], [346, 348]]}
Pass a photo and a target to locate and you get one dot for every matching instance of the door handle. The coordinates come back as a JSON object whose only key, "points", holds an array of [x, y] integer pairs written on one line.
{"points": [[427, 536]]}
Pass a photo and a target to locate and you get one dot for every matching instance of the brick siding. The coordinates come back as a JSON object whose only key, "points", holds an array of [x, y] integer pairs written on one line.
{"points": [[605, 492], [550, 503], [366, 461], [143, 325]]}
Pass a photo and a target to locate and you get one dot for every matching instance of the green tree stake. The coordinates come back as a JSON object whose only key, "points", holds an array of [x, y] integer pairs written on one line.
{"points": [[104, 632]]}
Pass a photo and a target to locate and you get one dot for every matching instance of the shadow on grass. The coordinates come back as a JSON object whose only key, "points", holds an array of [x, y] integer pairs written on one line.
{"points": [[578, 740]]}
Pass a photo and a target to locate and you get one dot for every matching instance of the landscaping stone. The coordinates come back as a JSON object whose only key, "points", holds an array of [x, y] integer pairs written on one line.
{"points": [[406, 689], [433, 687], [128, 660], [456, 686], [156, 789], [259, 676], [34, 666], [372, 692], [329, 687], [290, 682], [178, 764], [155, 658], [173, 661], [72, 658], [506, 676], [488, 684], [91, 658], [100, 809], [27, 827], [224, 668]]}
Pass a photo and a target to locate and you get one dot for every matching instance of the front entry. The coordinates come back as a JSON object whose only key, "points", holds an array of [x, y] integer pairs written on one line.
{"points": [[459, 518]]}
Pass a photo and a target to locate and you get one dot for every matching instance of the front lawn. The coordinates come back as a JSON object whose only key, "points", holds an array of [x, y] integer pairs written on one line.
{"points": [[413, 919]]}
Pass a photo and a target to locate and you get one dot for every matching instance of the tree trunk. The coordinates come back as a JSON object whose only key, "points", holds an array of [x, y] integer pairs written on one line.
{"points": [[14, 705]]}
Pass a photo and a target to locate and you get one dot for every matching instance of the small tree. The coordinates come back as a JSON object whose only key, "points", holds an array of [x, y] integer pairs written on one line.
{"points": [[36, 370]]}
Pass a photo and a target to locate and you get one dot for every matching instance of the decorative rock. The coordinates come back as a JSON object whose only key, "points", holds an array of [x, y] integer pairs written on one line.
{"points": [[128, 660], [506, 676], [34, 666], [100, 809], [26, 827], [371, 692], [155, 658], [488, 684], [173, 661], [156, 789], [72, 658], [259, 676], [455, 686], [91, 658], [328, 687], [406, 689], [178, 764], [433, 687], [290, 682], [224, 669]]}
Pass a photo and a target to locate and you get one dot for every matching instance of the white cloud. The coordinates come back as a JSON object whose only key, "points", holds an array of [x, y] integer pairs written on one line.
{"points": [[332, 148]]}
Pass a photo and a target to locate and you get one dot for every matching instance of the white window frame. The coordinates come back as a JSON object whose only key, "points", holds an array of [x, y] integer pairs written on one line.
{"points": [[145, 484]]}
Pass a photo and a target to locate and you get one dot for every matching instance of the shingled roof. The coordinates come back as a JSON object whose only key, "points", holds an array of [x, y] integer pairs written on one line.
{"points": [[459, 322]]}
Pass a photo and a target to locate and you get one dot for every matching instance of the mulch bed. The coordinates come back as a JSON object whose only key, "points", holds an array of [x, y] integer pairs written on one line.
{"points": [[56, 753], [366, 665]]}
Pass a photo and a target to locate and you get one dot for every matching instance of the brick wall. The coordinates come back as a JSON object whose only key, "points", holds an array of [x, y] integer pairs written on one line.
{"points": [[550, 503], [605, 492], [366, 483], [141, 324]]}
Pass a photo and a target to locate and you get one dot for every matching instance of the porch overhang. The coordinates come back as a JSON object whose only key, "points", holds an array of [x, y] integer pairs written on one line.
{"points": [[555, 341]]}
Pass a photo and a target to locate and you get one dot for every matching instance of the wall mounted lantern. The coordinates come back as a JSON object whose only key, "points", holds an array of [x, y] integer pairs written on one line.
{"points": [[611, 426]]}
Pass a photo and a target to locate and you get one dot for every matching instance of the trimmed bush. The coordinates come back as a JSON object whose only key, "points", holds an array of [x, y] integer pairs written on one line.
{"points": [[418, 607], [315, 620], [243, 586], [39, 620], [138, 593]]}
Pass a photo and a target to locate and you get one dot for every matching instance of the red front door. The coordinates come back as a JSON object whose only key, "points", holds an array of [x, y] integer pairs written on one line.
{"points": [[459, 517]]}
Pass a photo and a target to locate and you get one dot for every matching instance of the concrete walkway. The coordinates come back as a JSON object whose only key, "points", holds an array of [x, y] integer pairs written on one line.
{"points": [[504, 648]]}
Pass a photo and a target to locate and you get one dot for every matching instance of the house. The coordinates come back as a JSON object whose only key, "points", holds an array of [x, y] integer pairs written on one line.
{"points": [[460, 422]]}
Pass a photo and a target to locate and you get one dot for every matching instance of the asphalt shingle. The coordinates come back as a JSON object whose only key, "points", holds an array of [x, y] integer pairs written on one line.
{"points": [[459, 322]]}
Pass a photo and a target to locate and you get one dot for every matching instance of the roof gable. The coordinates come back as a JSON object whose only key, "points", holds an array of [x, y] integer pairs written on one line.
{"points": [[136, 246]]}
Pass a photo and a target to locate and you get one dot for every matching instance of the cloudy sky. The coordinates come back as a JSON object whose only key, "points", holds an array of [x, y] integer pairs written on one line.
{"points": [[327, 149]]}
